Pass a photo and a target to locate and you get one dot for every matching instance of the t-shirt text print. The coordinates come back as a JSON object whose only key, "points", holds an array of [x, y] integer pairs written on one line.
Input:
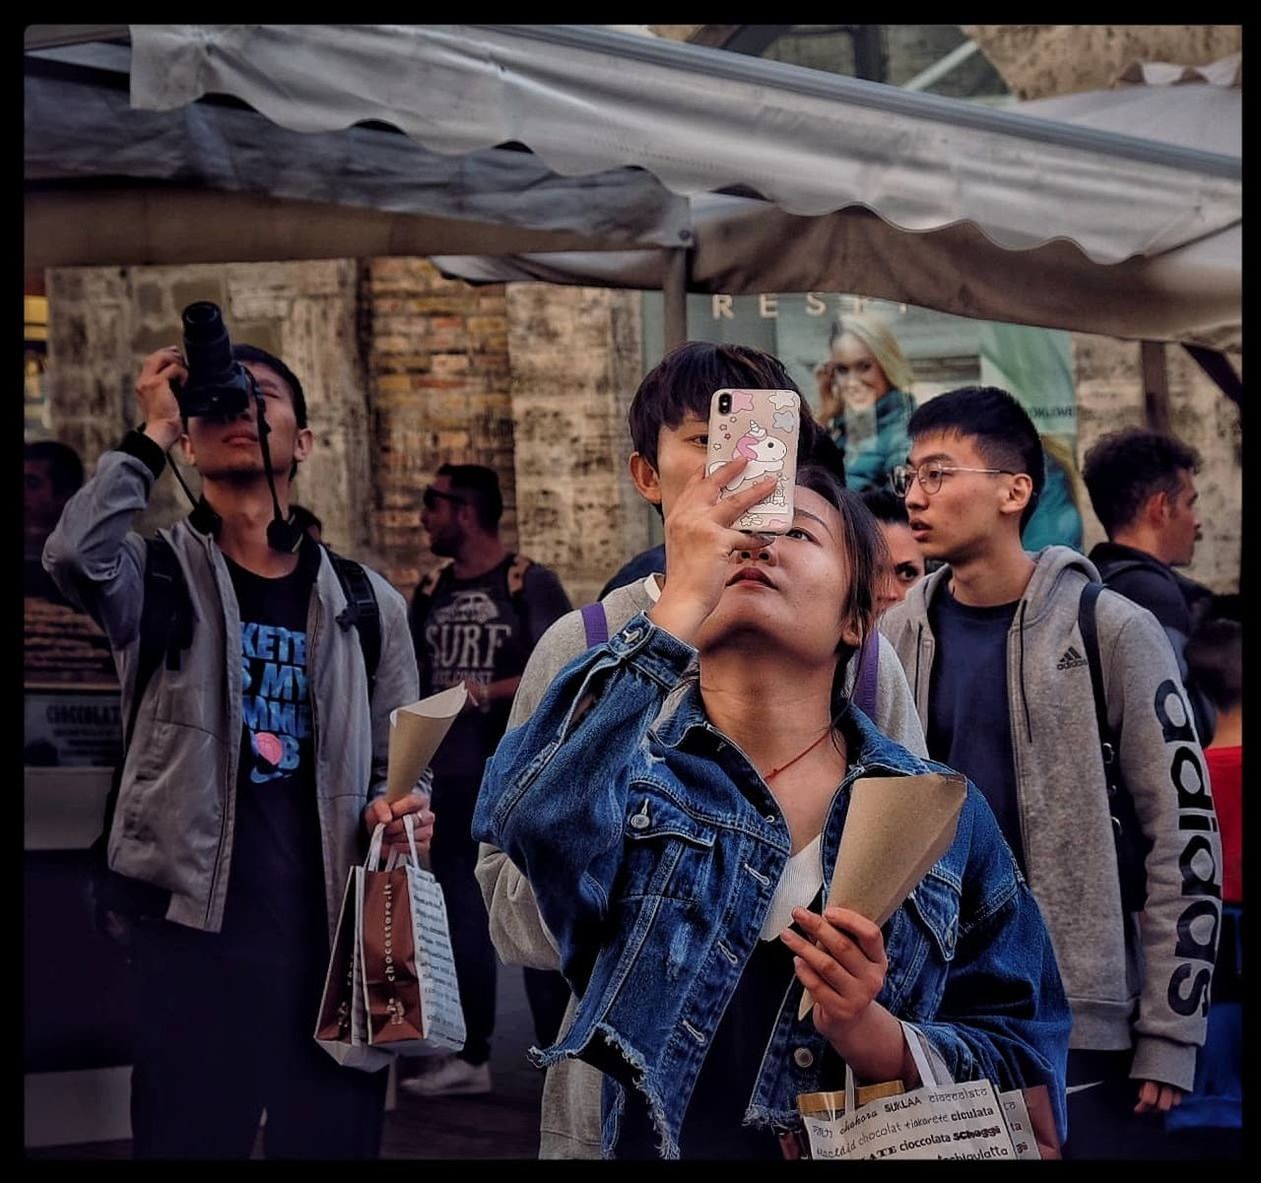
{"points": [[464, 636], [275, 698]]}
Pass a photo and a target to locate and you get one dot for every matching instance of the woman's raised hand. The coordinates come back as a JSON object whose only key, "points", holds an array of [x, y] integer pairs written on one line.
{"points": [[699, 543]]}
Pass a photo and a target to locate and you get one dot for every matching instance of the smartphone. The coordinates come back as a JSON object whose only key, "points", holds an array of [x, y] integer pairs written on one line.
{"points": [[764, 426]]}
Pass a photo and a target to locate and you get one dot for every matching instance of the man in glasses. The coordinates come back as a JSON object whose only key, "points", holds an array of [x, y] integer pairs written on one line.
{"points": [[474, 619], [992, 646]]}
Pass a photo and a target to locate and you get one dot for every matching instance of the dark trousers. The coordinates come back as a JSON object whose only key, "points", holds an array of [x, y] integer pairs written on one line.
{"points": [[218, 1040], [548, 995], [453, 856], [1101, 1120]]}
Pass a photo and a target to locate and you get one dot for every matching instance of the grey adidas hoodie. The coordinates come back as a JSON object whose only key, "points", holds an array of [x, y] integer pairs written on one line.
{"points": [[570, 1116], [1162, 959]]}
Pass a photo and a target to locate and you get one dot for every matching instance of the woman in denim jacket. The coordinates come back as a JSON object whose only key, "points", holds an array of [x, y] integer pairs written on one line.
{"points": [[679, 825]]}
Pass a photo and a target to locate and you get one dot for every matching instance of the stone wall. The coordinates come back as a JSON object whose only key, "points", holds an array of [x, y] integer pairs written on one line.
{"points": [[1110, 396], [576, 361], [1038, 61], [104, 321]]}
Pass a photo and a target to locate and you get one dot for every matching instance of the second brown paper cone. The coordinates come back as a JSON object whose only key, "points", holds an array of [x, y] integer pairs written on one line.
{"points": [[896, 828]]}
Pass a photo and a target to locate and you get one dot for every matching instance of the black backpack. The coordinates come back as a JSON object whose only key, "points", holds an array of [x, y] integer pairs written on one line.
{"points": [[166, 630]]}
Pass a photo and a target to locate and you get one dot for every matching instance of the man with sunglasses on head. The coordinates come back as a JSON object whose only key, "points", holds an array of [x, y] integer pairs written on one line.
{"points": [[994, 652], [475, 619]]}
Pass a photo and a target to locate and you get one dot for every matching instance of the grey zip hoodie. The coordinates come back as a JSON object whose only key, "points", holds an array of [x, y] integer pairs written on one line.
{"points": [[173, 824], [570, 1117], [1163, 958]]}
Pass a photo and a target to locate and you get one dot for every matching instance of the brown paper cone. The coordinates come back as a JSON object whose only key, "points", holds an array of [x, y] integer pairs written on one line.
{"points": [[415, 733], [897, 827]]}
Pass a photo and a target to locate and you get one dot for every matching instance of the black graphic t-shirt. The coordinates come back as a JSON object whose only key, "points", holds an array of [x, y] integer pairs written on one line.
{"points": [[275, 907], [472, 630]]}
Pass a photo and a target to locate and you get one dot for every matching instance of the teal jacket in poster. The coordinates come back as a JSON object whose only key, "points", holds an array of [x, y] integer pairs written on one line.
{"points": [[873, 444], [1056, 521]]}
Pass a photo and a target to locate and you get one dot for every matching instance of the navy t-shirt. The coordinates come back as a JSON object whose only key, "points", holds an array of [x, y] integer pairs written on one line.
{"points": [[275, 906], [969, 716]]}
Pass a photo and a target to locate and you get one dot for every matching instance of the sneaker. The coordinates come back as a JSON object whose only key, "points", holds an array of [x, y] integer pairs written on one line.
{"points": [[453, 1077]]}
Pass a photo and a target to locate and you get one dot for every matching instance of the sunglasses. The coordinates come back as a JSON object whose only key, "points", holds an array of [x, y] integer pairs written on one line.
{"points": [[431, 497]]}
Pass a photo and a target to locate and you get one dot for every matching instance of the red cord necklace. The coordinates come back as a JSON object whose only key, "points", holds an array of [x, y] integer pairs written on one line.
{"points": [[774, 772]]}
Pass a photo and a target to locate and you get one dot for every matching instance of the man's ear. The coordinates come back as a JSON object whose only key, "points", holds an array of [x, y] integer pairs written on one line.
{"points": [[303, 443], [1018, 494], [186, 449], [645, 477], [1156, 509]]}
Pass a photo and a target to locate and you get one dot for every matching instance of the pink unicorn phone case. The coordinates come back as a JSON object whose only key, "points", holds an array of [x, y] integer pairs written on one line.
{"points": [[764, 426]]}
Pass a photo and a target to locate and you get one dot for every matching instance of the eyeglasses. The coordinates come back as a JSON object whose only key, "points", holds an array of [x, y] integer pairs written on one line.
{"points": [[429, 499], [930, 476]]}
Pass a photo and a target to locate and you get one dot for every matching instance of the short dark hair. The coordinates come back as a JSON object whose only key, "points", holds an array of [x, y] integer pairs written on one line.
{"points": [[866, 553], [1005, 435], [1214, 656], [65, 469], [1123, 469], [685, 379], [479, 486], [886, 506], [252, 353]]}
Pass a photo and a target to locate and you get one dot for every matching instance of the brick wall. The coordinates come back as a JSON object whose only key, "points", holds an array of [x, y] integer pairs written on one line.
{"points": [[437, 360]]}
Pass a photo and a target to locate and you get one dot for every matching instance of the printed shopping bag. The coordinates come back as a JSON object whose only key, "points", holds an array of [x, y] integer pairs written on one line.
{"points": [[341, 1028], [969, 1120], [411, 994]]}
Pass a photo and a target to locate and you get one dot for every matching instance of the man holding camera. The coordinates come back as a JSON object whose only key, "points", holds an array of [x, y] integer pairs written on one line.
{"points": [[255, 769]]}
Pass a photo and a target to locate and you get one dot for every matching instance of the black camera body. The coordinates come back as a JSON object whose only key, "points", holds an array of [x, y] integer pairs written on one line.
{"points": [[218, 386]]}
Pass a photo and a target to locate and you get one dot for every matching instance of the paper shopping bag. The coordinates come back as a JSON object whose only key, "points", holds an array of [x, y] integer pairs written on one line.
{"points": [[411, 993], [341, 1027], [968, 1120]]}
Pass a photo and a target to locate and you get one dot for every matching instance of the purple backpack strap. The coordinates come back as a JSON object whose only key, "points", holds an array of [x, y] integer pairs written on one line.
{"points": [[595, 623], [868, 675]]}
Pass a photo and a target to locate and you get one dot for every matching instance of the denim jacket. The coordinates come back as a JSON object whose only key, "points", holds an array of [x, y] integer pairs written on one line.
{"points": [[654, 847]]}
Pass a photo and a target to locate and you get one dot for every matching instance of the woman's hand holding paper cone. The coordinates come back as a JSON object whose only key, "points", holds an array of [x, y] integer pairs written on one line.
{"points": [[842, 963]]}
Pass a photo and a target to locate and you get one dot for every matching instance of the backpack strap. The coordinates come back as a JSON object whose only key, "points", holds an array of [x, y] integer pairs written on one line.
{"points": [[516, 575], [595, 623], [868, 675], [429, 584], [1131, 844], [1090, 638], [361, 612]]}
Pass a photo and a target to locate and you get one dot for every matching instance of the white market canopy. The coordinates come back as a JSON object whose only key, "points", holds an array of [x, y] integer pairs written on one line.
{"points": [[772, 177]]}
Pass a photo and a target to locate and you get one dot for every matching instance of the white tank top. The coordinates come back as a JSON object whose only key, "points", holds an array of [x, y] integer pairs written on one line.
{"points": [[799, 884]]}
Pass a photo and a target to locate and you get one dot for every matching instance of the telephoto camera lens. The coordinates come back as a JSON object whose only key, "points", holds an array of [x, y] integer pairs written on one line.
{"points": [[218, 387]]}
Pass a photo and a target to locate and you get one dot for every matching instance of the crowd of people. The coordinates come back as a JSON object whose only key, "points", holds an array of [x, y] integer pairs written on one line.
{"points": [[643, 800]]}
